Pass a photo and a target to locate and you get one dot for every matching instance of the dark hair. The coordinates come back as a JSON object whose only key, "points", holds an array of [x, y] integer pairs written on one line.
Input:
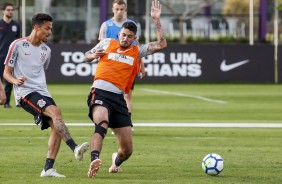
{"points": [[4, 5], [131, 26], [119, 2], [40, 18]]}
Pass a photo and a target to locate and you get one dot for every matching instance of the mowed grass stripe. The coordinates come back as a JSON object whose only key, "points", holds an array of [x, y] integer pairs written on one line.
{"points": [[161, 155], [246, 103], [204, 125]]}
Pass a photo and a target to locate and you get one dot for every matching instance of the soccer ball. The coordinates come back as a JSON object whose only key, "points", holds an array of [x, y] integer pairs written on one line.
{"points": [[212, 164]]}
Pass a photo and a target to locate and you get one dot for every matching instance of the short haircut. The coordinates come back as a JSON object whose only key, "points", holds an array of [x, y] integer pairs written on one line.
{"points": [[40, 18], [119, 2], [4, 5], [131, 26]]}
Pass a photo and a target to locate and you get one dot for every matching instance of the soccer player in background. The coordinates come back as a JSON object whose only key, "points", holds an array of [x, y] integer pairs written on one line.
{"points": [[110, 29], [26, 62], [9, 31], [118, 64]]}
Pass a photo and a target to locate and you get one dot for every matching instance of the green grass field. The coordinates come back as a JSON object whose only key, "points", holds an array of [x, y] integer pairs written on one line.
{"points": [[161, 154], [180, 103]]}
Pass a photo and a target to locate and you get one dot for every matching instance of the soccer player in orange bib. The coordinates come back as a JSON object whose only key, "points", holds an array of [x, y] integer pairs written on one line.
{"points": [[118, 64], [110, 29]]}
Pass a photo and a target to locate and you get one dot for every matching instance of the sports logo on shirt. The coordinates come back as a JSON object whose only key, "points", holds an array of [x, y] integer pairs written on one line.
{"points": [[41, 103], [121, 58], [43, 56], [123, 51], [44, 48], [25, 44], [14, 55], [14, 28]]}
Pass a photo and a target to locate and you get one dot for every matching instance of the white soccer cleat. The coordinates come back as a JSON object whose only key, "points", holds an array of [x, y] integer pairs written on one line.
{"points": [[94, 167], [80, 150], [114, 168], [51, 173]]}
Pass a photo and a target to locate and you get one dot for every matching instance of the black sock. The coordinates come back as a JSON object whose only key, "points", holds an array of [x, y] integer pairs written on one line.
{"points": [[94, 155], [71, 144], [49, 163], [118, 161]]}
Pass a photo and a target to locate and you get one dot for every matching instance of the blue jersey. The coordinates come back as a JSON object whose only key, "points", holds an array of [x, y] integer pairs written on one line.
{"points": [[110, 29]]}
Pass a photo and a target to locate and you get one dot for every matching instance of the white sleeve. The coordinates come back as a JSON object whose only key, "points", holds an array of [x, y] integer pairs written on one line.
{"points": [[143, 50], [46, 64], [138, 34], [104, 44], [12, 55]]}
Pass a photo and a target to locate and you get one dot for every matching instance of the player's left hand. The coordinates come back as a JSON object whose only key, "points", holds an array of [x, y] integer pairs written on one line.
{"points": [[156, 9], [142, 74]]}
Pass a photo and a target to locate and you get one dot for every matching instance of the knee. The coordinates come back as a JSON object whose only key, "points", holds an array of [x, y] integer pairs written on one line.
{"points": [[56, 114], [100, 128]]}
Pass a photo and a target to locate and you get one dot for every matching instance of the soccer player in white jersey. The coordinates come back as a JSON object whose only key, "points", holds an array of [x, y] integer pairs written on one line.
{"points": [[25, 66]]}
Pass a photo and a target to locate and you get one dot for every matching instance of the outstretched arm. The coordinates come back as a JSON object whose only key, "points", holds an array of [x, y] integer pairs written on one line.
{"points": [[161, 41]]}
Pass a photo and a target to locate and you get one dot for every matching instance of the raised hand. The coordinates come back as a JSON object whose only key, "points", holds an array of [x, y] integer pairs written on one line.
{"points": [[156, 9]]}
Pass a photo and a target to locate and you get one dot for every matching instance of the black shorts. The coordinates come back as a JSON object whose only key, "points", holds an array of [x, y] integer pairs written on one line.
{"points": [[35, 104], [116, 105]]}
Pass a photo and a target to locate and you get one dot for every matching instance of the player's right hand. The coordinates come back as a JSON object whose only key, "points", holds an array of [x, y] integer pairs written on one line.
{"points": [[100, 52]]}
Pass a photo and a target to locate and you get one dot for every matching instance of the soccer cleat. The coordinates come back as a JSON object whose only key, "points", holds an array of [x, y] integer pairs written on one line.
{"points": [[114, 168], [80, 150], [94, 167], [51, 173]]}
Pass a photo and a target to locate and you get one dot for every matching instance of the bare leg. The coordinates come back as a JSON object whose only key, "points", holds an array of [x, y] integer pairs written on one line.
{"points": [[54, 143], [99, 113], [124, 138], [128, 99], [58, 124], [61, 130]]}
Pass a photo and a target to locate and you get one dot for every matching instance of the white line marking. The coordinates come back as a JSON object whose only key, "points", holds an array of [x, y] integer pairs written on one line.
{"points": [[185, 95], [203, 125]]}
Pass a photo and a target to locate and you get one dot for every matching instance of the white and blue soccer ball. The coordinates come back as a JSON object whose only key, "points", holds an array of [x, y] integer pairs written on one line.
{"points": [[212, 164]]}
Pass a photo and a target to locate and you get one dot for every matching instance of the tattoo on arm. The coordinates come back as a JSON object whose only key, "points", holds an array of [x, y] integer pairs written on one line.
{"points": [[161, 40]]}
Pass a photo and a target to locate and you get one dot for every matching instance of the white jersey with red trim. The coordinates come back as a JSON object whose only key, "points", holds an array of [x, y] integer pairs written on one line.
{"points": [[31, 62]]}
